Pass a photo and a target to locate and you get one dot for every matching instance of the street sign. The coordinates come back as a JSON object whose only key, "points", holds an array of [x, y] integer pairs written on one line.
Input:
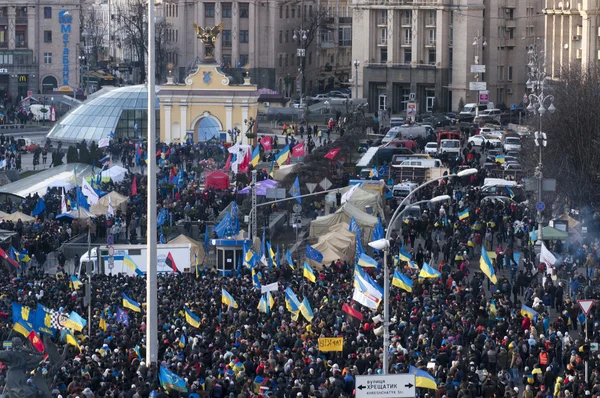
{"points": [[525, 99], [297, 208], [513, 107], [111, 262], [411, 110], [311, 186], [275, 193], [110, 240], [412, 96], [477, 86], [325, 184], [585, 305], [484, 97], [300, 52], [389, 386], [540, 206], [111, 250], [477, 68], [593, 346]]}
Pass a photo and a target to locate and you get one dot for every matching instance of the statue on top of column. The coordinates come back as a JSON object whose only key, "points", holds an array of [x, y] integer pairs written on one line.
{"points": [[208, 36]]}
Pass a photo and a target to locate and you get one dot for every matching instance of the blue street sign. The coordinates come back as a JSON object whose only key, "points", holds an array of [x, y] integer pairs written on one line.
{"points": [[513, 107], [540, 206]]}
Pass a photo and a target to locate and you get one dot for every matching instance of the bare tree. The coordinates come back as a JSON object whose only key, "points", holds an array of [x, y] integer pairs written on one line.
{"points": [[94, 33], [133, 22], [573, 133]]}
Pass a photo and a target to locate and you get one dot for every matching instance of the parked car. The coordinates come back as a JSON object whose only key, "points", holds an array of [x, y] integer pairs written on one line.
{"points": [[431, 148], [320, 97], [338, 94], [477, 140]]}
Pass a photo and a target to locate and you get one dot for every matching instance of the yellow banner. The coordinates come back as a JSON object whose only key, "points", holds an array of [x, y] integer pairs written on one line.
{"points": [[331, 344]]}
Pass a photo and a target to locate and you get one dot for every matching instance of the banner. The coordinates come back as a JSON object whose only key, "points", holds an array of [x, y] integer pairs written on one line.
{"points": [[327, 344], [272, 287], [89, 193]]}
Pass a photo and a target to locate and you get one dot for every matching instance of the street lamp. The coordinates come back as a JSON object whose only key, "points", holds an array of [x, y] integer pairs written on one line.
{"points": [[384, 245], [300, 35], [478, 41], [356, 65], [538, 101]]}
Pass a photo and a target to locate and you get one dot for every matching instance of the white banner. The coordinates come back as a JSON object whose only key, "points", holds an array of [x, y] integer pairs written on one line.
{"points": [[547, 257], [103, 142], [369, 302], [272, 287], [88, 192]]}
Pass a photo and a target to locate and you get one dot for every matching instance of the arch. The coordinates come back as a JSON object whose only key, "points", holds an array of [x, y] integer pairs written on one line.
{"points": [[207, 127], [49, 83]]}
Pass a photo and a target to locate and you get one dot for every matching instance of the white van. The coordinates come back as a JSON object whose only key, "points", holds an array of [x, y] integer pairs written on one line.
{"points": [[405, 132], [450, 146], [469, 109], [420, 163], [403, 189], [512, 144]]}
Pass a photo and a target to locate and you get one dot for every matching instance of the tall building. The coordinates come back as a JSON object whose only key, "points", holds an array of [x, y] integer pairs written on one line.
{"points": [[39, 46], [419, 49], [510, 27], [571, 35]]}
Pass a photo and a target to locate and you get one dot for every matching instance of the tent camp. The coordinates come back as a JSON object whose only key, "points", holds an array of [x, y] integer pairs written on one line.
{"points": [[322, 225], [3, 215], [115, 173], [361, 198], [16, 216], [196, 250], [82, 215], [330, 253], [119, 202]]}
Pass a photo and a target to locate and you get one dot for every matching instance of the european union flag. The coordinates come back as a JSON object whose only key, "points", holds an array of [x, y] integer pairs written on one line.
{"points": [[122, 317], [313, 254]]}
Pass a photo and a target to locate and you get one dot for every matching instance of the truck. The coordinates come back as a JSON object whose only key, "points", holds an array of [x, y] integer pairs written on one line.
{"points": [[99, 260]]}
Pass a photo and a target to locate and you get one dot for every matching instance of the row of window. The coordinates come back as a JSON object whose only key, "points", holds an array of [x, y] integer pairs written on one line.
{"points": [[15, 59], [226, 10], [226, 36], [296, 11], [171, 10], [292, 59], [406, 17], [407, 56], [344, 37], [407, 36], [228, 62]]}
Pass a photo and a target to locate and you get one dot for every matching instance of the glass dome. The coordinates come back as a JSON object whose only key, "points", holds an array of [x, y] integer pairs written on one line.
{"points": [[122, 111]]}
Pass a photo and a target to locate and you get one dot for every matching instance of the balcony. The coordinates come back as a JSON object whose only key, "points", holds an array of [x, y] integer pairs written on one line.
{"points": [[382, 42], [21, 20], [406, 43], [406, 22], [405, 4], [345, 20], [510, 42], [382, 22], [430, 43], [21, 44], [511, 4], [327, 44], [511, 24]]}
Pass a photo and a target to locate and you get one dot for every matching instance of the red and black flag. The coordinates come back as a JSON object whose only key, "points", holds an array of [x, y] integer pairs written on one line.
{"points": [[352, 312], [171, 263]]}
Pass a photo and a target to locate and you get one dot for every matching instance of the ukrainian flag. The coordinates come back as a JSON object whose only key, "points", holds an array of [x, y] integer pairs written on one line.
{"points": [[191, 318], [413, 265], [129, 263], [306, 310], [75, 321], [272, 170], [510, 191], [308, 273], [402, 281], [292, 303], [249, 257], [102, 323], [255, 280], [182, 341], [22, 328], [486, 266], [70, 339], [288, 257], [75, 283], [423, 379], [262, 305], [533, 237], [283, 155], [131, 304], [227, 299], [255, 156], [428, 272], [500, 158], [270, 300], [493, 309], [367, 261], [529, 312], [404, 256], [463, 214], [470, 243], [271, 254]]}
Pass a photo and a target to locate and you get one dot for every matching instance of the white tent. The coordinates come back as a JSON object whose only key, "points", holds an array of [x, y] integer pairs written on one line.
{"points": [[19, 216], [322, 225], [118, 202], [330, 253], [197, 250], [361, 198], [115, 173], [82, 215], [60, 184]]}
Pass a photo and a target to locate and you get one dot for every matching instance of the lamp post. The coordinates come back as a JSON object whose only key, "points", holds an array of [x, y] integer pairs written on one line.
{"points": [[478, 41], [356, 65], [538, 101], [384, 244], [300, 36]]}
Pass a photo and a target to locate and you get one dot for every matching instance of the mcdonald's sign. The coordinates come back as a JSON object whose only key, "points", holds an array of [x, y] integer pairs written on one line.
{"points": [[22, 78]]}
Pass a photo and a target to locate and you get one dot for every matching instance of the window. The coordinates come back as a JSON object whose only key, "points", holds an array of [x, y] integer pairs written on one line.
{"points": [[431, 16], [226, 8], [287, 11], [510, 73], [287, 59], [382, 17], [530, 12], [209, 10], [345, 36], [383, 56], [280, 60], [243, 36], [227, 61], [530, 31], [287, 36], [451, 36], [431, 56], [244, 10], [47, 36], [293, 12], [406, 17], [431, 36], [243, 59], [500, 73], [227, 38], [327, 36], [407, 55], [47, 12], [407, 36], [47, 58], [500, 12], [310, 11], [280, 12], [281, 36], [310, 58], [383, 36]]}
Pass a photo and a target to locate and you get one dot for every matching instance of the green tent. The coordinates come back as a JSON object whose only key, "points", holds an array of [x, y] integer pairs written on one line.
{"points": [[550, 233]]}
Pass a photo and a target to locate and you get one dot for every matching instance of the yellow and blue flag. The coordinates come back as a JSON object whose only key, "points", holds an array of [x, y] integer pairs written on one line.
{"points": [[292, 303], [75, 283], [366, 261], [262, 305], [271, 254], [308, 273], [227, 299], [197, 265], [283, 155], [70, 339], [102, 323], [529, 312], [75, 321], [423, 379], [510, 191], [249, 257], [182, 341], [404, 256], [485, 264], [288, 257], [428, 272], [255, 156], [255, 280], [129, 263], [191, 318], [463, 214], [402, 281], [170, 381], [306, 310], [272, 170], [137, 351], [270, 300], [500, 158], [131, 304], [22, 328]]}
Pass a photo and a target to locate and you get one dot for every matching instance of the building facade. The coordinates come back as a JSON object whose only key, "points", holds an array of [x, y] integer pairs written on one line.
{"points": [[39, 47], [419, 49], [571, 34], [510, 27]]}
